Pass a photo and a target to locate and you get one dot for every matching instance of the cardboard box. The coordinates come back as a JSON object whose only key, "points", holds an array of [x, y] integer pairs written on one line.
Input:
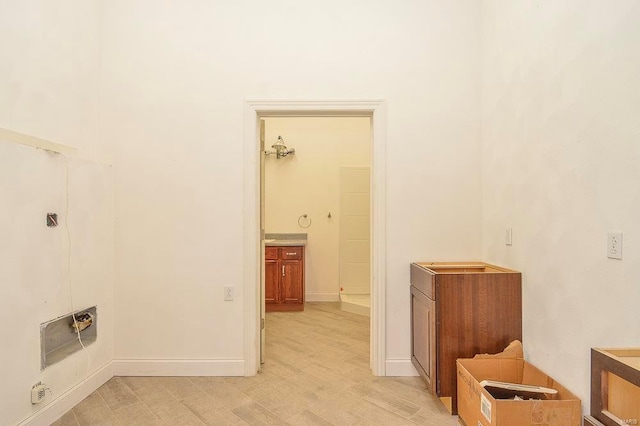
{"points": [[477, 407]]}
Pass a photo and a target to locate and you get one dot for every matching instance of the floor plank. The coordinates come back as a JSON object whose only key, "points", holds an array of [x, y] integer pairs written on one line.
{"points": [[316, 373]]}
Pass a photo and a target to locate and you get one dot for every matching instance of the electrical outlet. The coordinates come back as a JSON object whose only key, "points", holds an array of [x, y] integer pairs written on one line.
{"points": [[38, 392], [614, 245], [228, 292]]}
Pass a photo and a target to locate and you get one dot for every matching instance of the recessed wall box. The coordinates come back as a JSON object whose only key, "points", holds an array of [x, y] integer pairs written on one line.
{"points": [[59, 337]]}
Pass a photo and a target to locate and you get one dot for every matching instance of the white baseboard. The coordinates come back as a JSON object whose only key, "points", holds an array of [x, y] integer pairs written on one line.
{"points": [[65, 402], [361, 289], [400, 368], [178, 367], [322, 297], [355, 308]]}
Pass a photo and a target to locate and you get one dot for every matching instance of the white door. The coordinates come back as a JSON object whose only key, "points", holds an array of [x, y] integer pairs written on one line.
{"points": [[355, 244]]}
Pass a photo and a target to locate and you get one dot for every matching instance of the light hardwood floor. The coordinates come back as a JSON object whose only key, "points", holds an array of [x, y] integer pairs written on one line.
{"points": [[316, 373]]}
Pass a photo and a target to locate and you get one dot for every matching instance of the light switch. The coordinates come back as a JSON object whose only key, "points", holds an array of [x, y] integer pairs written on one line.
{"points": [[228, 292]]}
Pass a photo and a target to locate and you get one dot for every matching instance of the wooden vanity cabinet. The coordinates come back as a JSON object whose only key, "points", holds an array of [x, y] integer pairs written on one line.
{"points": [[459, 310], [284, 278]]}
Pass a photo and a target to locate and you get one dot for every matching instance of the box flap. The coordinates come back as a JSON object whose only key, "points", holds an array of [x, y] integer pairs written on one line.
{"points": [[533, 376], [502, 369], [513, 350]]}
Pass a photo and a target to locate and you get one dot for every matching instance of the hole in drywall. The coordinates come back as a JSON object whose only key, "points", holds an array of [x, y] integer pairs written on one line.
{"points": [[59, 337]]}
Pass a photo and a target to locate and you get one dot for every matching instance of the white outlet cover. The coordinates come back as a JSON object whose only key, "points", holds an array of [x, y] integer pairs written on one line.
{"points": [[614, 245], [38, 393]]}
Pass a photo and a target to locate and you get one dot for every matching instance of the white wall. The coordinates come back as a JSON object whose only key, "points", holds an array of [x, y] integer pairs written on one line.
{"points": [[308, 183], [175, 81], [561, 149], [50, 59], [559, 134], [35, 275]]}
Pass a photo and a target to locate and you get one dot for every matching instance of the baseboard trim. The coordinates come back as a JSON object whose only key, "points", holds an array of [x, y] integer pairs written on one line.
{"points": [[322, 297], [400, 368], [66, 401], [355, 308], [178, 367]]}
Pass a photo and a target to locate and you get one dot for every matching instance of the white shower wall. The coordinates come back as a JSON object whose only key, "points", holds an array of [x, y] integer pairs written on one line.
{"points": [[355, 231], [309, 183]]}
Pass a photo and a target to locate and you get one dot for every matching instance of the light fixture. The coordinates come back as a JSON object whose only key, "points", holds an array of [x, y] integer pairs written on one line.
{"points": [[281, 149]]}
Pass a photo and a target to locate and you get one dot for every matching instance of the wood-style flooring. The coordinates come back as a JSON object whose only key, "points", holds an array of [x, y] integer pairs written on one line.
{"points": [[316, 372]]}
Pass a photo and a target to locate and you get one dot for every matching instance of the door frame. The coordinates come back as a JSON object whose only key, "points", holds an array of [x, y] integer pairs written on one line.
{"points": [[253, 111]]}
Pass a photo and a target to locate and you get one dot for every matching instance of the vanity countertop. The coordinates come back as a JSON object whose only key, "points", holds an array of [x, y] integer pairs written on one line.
{"points": [[284, 240]]}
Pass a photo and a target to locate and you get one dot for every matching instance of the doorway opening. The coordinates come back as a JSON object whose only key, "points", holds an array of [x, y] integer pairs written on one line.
{"points": [[255, 111], [318, 194]]}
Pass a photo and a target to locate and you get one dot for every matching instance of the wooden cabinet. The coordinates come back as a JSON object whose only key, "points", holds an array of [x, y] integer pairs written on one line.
{"points": [[423, 336], [591, 421], [615, 386], [284, 278], [459, 310]]}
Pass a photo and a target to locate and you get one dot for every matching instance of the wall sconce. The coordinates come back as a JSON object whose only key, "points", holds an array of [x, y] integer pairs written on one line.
{"points": [[281, 149]]}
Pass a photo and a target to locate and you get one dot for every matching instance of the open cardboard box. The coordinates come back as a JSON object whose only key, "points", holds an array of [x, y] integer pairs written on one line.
{"points": [[476, 406]]}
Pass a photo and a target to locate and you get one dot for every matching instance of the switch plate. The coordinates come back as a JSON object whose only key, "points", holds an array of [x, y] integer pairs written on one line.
{"points": [[509, 237], [614, 245], [228, 292]]}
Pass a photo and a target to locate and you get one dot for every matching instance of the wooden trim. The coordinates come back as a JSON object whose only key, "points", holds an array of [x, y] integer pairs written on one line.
{"points": [[590, 421], [378, 237]]}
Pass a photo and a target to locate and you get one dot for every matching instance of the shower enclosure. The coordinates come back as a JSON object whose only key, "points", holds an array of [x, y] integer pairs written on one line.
{"points": [[355, 240]]}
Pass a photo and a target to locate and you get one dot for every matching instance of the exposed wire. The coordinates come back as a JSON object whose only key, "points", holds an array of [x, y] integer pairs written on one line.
{"points": [[69, 269]]}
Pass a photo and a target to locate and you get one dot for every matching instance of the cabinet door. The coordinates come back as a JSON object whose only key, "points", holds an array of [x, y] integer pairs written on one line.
{"points": [[423, 336], [271, 281], [291, 281]]}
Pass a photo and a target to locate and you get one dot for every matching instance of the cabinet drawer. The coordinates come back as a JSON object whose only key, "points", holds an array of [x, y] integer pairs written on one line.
{"points": [[271, 253], [289, 253], [423, 280]]}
